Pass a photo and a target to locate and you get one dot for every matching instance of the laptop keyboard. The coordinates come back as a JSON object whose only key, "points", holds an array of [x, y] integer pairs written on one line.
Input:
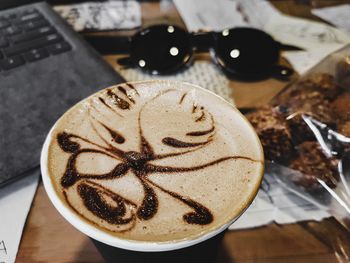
{"points": [[26, 37]]}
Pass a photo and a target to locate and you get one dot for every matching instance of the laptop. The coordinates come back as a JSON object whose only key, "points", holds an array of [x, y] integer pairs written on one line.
{"points": [[45, 68]]}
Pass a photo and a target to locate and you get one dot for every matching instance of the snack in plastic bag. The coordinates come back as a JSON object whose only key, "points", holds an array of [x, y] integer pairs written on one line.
{"points": [[305, 133]]}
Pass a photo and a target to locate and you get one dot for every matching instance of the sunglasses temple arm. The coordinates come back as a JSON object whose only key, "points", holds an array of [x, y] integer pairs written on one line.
{"points": [[286, 47], [202, 41], [109, 44]]}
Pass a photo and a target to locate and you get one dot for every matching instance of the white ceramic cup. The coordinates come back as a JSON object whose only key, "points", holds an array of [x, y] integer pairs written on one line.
{"points": [[106, 238]]}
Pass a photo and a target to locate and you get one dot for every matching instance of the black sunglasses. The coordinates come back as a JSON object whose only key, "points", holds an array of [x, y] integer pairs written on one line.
{"points": [[244, 53]]}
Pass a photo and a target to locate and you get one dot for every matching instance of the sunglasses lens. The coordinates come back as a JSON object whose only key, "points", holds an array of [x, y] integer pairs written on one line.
{"points": [[246, 52], [160, 49]]}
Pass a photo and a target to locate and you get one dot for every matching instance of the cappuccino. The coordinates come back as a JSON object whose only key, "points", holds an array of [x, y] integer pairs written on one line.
{"points": [[154, 161]]}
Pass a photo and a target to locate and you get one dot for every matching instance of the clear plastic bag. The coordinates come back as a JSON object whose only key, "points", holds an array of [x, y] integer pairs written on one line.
{"points": [[305, 133]]}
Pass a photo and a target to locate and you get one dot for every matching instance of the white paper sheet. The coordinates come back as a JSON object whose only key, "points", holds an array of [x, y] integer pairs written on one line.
{"points": [[15, 202], [336, 15], [305, 33], [302, 61], [208, 14], [256, 12], [102, 16]]}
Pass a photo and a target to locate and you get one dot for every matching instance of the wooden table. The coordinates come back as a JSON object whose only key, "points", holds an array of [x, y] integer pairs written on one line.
{"points": [[48, 237]]}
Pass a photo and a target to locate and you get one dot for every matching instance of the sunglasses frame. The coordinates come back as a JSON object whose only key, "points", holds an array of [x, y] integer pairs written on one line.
{"points": [[207, 42]]}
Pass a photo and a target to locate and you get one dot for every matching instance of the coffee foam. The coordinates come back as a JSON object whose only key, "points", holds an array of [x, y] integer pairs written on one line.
{"points": [[213, 173]]}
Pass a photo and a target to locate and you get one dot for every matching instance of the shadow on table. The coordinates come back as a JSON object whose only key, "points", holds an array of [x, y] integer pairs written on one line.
{"points": [[88, 253], [210, 251]]}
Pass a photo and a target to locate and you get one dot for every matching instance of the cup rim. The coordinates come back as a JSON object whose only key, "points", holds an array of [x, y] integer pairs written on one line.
{"points": [[134, 245]]}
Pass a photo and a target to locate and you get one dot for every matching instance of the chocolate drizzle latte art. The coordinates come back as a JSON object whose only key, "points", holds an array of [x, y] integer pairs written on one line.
{"points": [[112, 207]]}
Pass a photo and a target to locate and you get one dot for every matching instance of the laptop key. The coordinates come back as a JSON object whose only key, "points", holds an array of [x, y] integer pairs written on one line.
{"points": [[30, 10], [12, 62], [30, 17], [9, 16], [34, 24], [4, 23], [12, 30], [35, 43], [36, 54], [3, 42], [32, 34], [59, 48]]}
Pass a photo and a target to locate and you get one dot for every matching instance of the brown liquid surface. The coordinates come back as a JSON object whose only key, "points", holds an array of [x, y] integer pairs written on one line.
{"points": [[155, 161]]}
